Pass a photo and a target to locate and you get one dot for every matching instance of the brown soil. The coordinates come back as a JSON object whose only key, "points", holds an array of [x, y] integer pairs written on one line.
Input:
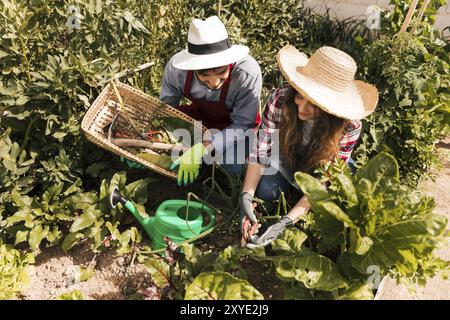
{"points": [[55, 273]]}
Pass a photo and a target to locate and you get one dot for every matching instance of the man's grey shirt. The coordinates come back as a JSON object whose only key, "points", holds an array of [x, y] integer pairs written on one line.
{"points": [[242, 101]]}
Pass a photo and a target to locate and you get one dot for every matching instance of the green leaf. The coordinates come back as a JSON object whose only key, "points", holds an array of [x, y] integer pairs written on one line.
{"points": [[221, 286], [118, 180], [54, 235], [379, 170], [59, 134], [311, 187], [86, 273], [9, 164], [348, 189], [138, 190], [328, 207], [357, 291], [83, 221], [420, 235], [75, 187], [312, 269], [359, 245], [52, 192], [196, 261], [19, 216], [159, 270], [70, 240], [296, 291], [22, 100], [14, 271], [229, 260], [36, 235], [15, 149], [21, 236], [72, 295], [290, 241]]}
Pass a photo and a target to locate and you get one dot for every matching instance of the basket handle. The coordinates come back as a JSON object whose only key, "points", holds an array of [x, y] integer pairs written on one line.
{"points": [[409, 15], [127, 72]]}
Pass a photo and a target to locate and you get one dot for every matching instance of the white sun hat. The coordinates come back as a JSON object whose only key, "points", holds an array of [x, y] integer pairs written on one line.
{"points": [[208, 47], [327, 80]]}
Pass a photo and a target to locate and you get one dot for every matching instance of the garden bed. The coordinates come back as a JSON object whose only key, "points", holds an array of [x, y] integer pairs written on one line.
{"points": [[56, 184]]}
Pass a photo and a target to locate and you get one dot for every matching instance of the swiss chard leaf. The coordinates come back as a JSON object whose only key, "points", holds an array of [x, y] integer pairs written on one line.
{"points": [[221, 286]]}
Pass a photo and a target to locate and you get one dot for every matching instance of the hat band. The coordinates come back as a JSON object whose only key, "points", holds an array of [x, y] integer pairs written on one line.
{"points": [[209, 48]]}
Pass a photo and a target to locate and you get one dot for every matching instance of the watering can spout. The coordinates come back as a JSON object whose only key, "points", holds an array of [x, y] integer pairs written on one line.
{"points": [[116, 197]]}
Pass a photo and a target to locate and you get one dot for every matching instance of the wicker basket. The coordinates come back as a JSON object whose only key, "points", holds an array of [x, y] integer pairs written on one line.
{"points": [[140, 107]]}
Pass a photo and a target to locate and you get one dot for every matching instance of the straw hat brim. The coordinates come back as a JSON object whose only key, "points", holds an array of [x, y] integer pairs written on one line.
{"points": [[357, 101], [187, 61]]}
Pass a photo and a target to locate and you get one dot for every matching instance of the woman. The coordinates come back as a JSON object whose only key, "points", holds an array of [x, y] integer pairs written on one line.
{"points": [[316, 117]]}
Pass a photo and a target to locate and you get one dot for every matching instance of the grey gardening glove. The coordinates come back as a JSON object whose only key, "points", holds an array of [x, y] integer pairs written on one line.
{"points": [[246, 207], [272, 233]]}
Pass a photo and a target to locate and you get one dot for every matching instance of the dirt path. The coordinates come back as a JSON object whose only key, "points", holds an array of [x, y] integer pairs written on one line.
{"points": [[436, 288], [56, 272]]}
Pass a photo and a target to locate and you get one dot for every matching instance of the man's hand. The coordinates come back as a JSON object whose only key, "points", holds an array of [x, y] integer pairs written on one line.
{"points": [[272, 233], [132, 164], [189, 163]]}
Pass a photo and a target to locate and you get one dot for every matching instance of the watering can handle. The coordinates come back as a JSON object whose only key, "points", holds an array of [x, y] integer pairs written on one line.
{"points": [[212, 220]]}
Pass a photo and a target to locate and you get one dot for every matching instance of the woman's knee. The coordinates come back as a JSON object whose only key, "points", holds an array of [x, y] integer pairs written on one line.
{"points": [[270, 187]]}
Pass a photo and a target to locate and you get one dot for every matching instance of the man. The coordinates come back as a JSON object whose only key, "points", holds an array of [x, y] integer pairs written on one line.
{"points": [[223, 84]]}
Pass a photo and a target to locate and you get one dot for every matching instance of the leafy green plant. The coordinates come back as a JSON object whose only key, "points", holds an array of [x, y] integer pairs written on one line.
{"points": [[14, 166], [363, 222], [266, 26], [414, 97], [221, 286], [99, 220], [184, 270], [392, 20], [69, 217], [14, 271]]}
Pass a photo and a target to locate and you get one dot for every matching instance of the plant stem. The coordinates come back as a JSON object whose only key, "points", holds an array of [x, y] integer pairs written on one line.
{"points": [[27, 134], [219, 7]]}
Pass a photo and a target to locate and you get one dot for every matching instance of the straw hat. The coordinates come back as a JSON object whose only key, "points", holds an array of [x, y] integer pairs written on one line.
{"points": [[327, 80], [208, 47]]}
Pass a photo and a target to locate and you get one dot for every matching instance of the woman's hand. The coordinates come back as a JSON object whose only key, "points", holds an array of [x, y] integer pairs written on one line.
{"points": [[271, 234], [246, 207], [275, 230]]}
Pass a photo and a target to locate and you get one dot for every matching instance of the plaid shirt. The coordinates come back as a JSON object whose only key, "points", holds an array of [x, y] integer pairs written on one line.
{"points": [[271, 122]]}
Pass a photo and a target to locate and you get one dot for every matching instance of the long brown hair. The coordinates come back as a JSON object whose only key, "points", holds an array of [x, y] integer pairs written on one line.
{"points": [[324, 143]]}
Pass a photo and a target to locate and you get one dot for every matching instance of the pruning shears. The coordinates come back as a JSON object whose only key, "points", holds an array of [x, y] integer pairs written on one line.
{"points": [[248, 230], [153, 135]]}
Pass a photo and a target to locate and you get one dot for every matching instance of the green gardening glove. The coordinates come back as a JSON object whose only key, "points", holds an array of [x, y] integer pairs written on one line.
{"points": [[189, 163], [132, 164]]}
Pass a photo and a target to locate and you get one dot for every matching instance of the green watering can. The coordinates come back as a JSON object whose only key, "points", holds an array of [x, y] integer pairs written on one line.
{"points": [[170, 219]]}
